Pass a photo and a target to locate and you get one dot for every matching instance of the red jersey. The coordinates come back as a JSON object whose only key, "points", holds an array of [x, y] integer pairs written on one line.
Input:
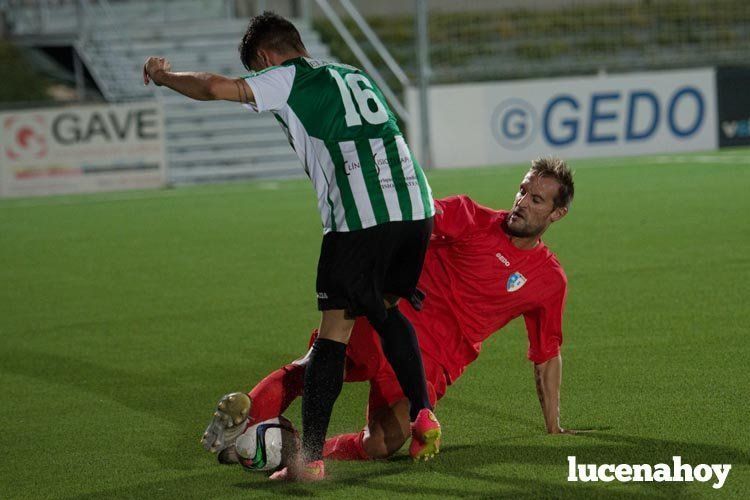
{"points": [[477, 281]]}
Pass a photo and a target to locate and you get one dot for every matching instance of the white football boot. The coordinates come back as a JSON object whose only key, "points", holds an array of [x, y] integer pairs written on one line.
{"points": [[228, 422]]}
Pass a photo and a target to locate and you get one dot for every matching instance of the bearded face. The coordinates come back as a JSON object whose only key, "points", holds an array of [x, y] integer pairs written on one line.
{"points": [[534, 207]]}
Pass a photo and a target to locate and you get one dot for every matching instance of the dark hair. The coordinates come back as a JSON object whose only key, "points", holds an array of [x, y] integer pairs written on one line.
{"points": [[555, 168], [269, 31]]}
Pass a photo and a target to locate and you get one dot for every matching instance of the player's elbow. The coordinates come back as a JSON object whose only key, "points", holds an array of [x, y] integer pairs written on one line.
{"points": [[212, 89]]}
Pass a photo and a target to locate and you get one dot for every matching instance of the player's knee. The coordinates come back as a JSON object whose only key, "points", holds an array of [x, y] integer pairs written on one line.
{"points": [[387, 431], [375, 447], [335, 326], [380, 447]]}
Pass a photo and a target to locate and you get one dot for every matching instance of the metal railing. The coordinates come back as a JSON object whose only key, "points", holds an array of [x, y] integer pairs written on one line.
{"points": [[112, 60], [486, 40], [359, 53]]}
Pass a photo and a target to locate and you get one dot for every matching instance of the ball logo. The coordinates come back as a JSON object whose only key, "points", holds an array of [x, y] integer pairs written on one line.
{"points": [[515, 281], [25, 137], [514, 123]]}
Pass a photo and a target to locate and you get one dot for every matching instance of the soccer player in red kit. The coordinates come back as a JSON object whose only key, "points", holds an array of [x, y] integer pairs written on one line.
{"points": [[483, 268]]}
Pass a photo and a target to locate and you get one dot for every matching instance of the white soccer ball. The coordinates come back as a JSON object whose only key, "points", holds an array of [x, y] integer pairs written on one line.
{"points": [[266, 445]]}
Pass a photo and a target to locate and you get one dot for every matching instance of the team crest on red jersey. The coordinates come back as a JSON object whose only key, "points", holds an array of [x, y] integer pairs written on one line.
{"points": [[515, 281]]}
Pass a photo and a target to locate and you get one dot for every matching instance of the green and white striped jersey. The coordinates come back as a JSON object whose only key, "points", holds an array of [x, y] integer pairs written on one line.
{"points": [[346, 137]]}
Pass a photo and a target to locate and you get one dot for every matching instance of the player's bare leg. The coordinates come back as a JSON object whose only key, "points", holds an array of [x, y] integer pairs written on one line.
{"points": [[387, 430], [226, 424]]}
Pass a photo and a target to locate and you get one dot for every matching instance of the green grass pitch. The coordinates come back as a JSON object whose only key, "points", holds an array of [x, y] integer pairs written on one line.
{"points": [[124, 317]]}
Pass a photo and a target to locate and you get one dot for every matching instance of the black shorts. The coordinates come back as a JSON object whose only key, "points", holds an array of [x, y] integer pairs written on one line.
{"points": [[358, 268]]}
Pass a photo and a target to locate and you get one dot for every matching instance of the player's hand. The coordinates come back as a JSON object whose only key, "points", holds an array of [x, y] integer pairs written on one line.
{"points": [[152, 66]]}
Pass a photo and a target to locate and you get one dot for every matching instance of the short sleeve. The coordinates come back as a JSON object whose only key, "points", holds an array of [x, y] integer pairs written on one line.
{"points": [[271, 88], [459, 216], [544, 325]]}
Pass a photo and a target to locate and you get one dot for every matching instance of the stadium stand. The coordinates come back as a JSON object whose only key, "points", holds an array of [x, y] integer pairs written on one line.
{"points": [[206, 141], [475, 40], [470, 40]]}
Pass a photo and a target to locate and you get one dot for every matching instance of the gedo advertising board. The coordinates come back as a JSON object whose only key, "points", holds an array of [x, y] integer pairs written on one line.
{"points": [[617, 115]]}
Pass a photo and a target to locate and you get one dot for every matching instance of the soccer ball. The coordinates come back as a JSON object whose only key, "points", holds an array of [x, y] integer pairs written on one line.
{"points": [[266, 445]]}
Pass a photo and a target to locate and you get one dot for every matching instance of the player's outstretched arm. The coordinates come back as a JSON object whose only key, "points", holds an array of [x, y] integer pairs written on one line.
{"points": [[200, 86], [548, 377]]}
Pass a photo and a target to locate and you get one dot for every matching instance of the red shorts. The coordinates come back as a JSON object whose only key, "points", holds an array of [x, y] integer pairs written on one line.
{"points": [[365, 362]]}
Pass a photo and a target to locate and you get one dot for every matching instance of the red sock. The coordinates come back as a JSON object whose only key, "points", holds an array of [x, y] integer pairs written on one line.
{"points": [[345, 447], [273, 395]]}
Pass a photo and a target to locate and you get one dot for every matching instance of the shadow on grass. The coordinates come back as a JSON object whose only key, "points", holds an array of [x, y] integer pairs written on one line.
{"points": [[143, 392], [462, 465], [461, 472]]}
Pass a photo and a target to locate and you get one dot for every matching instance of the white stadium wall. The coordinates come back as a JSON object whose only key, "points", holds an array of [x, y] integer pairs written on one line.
{"points": [[82, 149], [493, 123]]}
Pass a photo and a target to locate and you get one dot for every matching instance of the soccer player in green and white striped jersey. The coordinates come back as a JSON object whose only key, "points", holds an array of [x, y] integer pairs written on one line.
{"points": [[348, 141], [375, 205]]}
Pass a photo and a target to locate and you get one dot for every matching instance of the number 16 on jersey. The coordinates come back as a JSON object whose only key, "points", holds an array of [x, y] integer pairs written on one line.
{"points": [[352, 85]]}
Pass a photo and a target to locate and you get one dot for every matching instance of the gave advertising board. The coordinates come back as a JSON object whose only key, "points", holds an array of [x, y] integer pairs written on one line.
{"points": [[81, 149]]}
